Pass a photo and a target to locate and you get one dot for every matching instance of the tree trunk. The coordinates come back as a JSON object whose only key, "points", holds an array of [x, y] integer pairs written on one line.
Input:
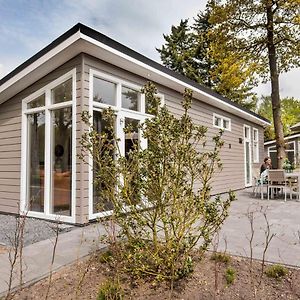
{"points": [[275, 98]]}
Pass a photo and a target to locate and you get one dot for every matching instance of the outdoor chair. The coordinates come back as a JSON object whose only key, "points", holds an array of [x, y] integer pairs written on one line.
{"points": [[276, 180], [294, 188], [260, 182]]}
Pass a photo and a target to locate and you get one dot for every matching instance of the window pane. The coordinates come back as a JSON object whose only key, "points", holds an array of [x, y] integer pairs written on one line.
{"points": [[289, 146], [225, 124], [131, 138], [255, 152], [100, 200], [36, 163], [61, 161], [130, 98], [63, 92], [255, 135], [246, 132], [218, 121], [38, 102], [104, 91]]}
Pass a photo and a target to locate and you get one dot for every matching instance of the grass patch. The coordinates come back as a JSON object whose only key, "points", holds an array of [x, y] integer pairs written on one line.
{"points": [[230, 275], [220, 257], [110, 290], [276, 271]]}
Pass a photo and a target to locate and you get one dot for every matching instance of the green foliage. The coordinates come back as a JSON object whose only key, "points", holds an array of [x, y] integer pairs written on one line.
{"points": [[196, 52], [106, 256], [230, 275], [290, 114], [161, 195], [110, 290], [243, 25], [276, 271], [220, 257]]}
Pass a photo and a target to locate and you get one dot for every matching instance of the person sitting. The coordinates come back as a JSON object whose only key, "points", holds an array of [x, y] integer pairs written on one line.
{"points": [[267, 165]]}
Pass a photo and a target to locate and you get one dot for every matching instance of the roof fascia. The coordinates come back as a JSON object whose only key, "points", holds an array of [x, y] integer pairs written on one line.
{"points": [[286, 138]]}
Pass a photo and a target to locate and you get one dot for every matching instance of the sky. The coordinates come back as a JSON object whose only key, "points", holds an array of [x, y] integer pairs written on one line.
{"points": [[28, 26]]}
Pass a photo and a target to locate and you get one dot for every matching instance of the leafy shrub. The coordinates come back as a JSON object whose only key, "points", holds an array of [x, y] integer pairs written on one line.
{"points": [[276, 271], [220, 257], [230, 275], [161, 195], [110, 290]]}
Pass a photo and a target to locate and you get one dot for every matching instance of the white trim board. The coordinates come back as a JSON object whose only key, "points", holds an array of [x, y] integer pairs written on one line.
{"points": [[286, 138]]}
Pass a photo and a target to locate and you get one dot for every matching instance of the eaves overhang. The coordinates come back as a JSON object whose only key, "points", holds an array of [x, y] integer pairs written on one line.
{"points": [[82, 39]]}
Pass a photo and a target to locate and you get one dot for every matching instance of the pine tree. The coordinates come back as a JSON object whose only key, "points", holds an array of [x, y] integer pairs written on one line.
{"points": [[196, 53]]}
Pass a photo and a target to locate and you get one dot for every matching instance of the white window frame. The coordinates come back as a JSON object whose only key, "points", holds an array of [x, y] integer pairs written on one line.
{"points": [[222, 122], [121, 114], [255, 145], [48, 108], [250, 155]]}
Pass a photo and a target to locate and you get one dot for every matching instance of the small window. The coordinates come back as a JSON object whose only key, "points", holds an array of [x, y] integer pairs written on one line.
{"points": [[255, 146], [37, 102], [222, 122], [104, 91], [63, 92], [130, 98], [247, 132]]}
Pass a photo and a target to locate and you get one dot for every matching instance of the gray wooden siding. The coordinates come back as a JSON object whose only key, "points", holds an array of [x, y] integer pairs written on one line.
{"points": [[10, 136]]}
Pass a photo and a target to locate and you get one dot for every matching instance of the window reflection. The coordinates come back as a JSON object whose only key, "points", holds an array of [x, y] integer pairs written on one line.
{"points": [[38, 102], [63, 92], [130, 99], [62, 161], [100, 202], [36, 150], [104, 91]]}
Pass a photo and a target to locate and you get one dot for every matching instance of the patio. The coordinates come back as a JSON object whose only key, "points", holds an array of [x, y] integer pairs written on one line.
{"points": [[284, 248], [283, 218]]}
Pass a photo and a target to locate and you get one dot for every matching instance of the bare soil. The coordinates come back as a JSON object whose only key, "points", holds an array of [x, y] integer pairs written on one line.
{"points": [[82, 280]]}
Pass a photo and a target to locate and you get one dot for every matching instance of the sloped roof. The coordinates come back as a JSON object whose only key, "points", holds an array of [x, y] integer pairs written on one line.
{"points": [[81, 38]]}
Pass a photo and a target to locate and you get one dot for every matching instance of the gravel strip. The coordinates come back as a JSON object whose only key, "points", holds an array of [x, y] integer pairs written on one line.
{"points": [[35, 230]]}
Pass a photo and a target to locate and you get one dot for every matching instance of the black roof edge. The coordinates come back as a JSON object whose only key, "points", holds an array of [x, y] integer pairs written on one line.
{"points": [[96, 35]]}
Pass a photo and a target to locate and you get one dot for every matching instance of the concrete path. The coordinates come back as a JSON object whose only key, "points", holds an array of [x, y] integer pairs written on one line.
{"points": [[71, 246], [284, 220]]}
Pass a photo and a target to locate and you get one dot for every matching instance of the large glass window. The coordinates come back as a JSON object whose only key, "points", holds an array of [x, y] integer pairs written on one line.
{"points": [[36, 161], [131, 108], [48, 167], [61, 161]]}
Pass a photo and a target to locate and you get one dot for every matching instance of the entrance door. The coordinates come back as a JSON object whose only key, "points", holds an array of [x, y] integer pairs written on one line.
{"points": [[247, 156]]}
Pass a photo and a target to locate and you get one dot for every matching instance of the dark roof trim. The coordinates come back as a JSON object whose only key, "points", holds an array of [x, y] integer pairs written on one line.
{"points": [[120, 47]]}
